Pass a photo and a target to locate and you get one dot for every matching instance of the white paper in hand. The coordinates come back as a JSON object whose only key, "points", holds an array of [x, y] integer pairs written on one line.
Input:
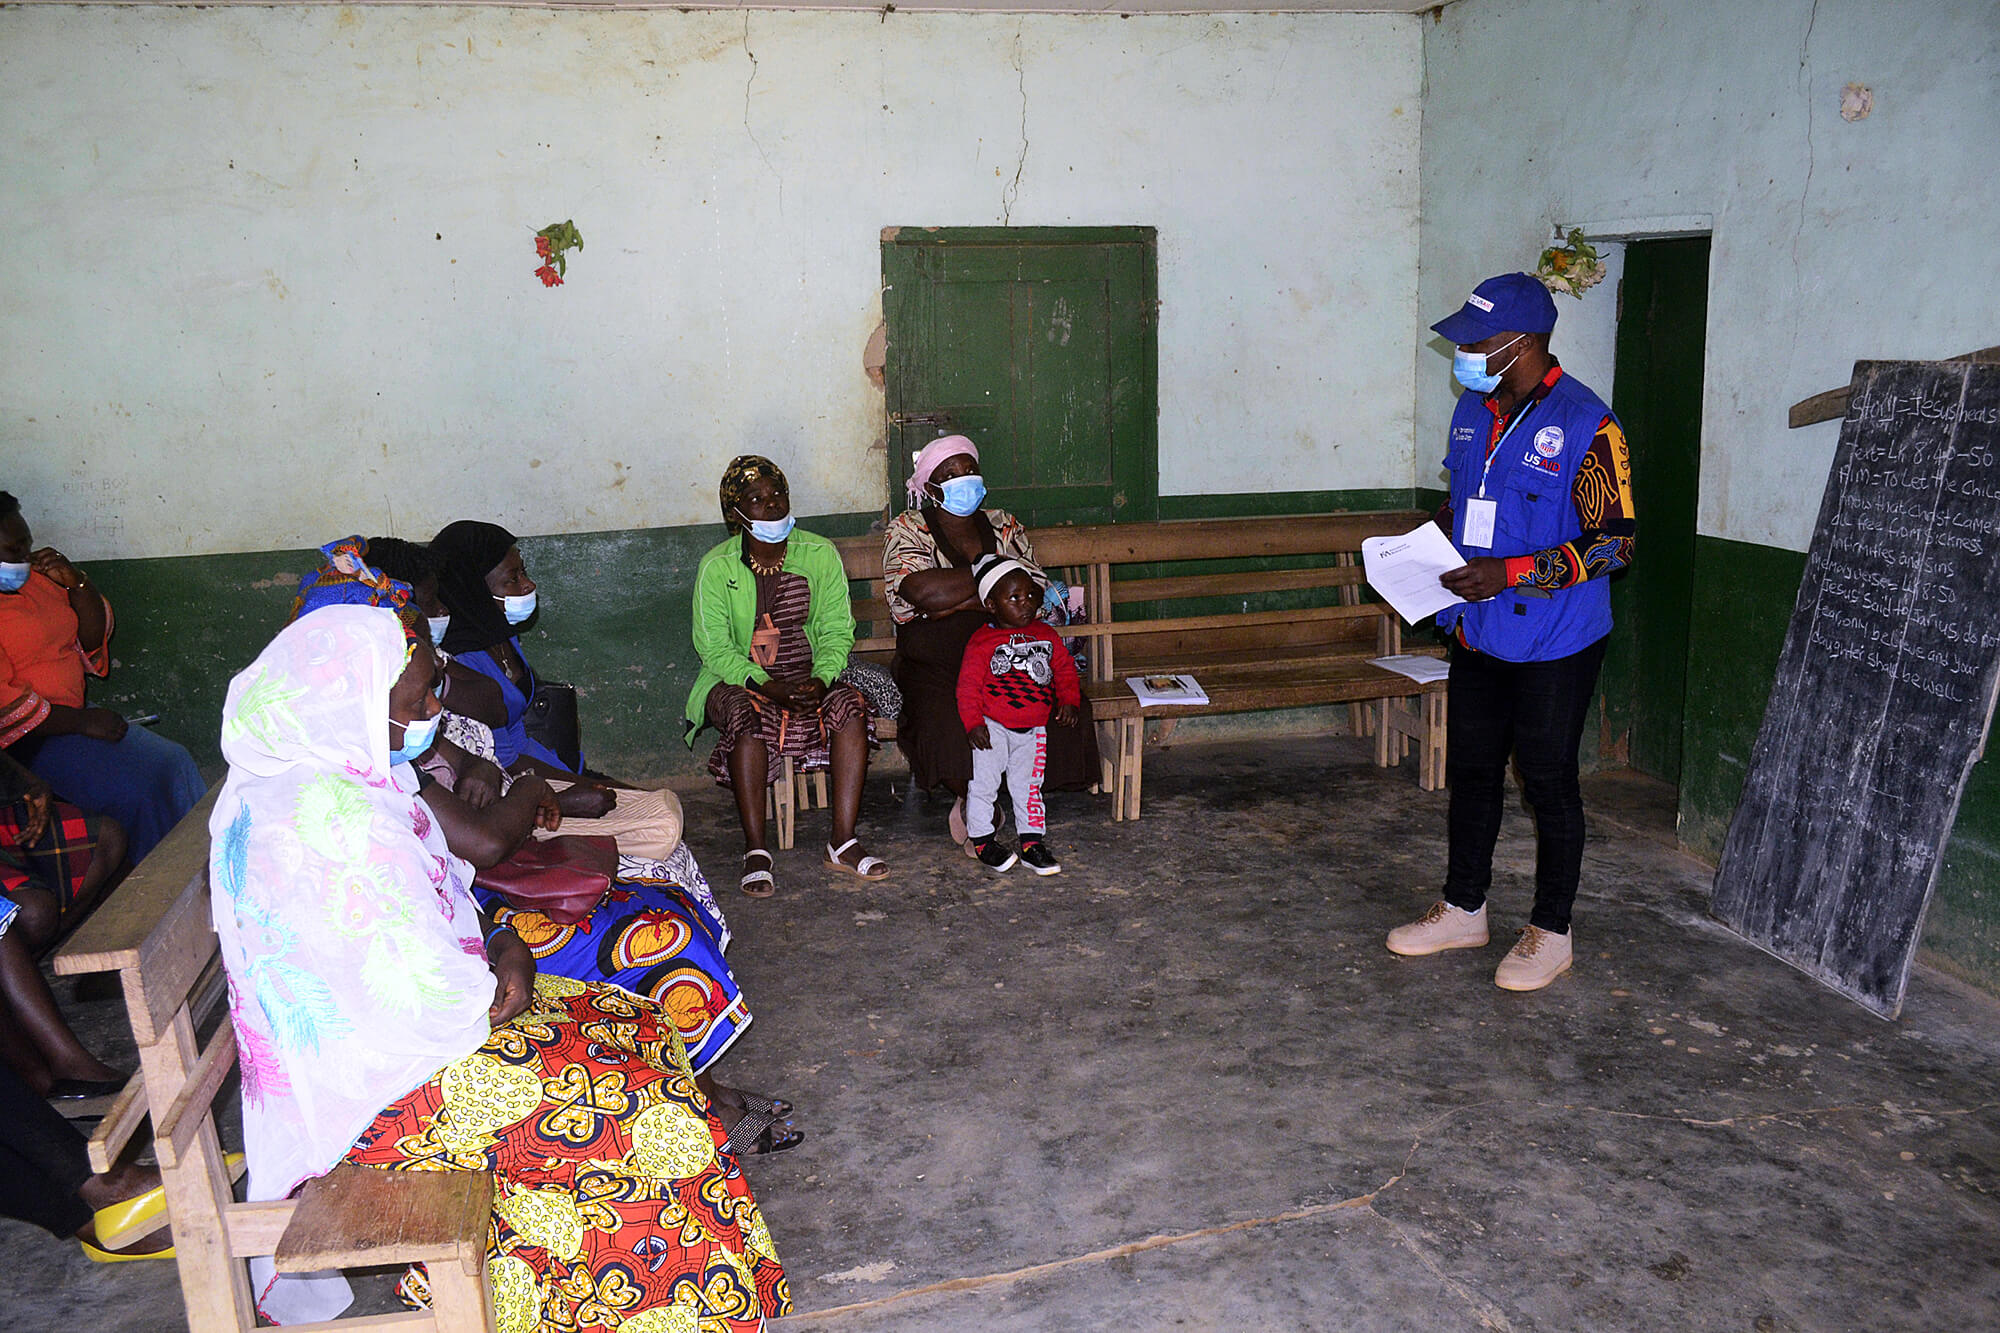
{"points": [[1405, 569]]}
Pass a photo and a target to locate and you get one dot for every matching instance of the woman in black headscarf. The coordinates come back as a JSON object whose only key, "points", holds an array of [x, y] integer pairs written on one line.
{"points": [[486, 589]]}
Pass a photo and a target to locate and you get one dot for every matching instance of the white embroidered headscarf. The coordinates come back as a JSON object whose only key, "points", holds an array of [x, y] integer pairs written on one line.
{"points": [[356, 969]]}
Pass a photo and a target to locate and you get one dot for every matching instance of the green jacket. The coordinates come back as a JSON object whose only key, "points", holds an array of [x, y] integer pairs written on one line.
{"points": [[725, 609]]}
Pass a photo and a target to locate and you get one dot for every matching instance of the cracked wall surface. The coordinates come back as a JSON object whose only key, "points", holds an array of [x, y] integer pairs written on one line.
{"points": [[282, 281]]}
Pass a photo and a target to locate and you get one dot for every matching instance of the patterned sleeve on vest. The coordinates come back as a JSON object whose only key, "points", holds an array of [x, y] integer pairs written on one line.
{"points": [[1603, 498]]}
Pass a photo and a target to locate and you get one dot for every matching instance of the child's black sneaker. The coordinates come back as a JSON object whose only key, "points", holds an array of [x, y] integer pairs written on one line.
{"points": [[1036, 856], [992, 855]]}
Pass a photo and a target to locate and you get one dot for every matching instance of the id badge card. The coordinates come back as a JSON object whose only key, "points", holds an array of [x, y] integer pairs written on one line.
{"points": [[1479, 514]]}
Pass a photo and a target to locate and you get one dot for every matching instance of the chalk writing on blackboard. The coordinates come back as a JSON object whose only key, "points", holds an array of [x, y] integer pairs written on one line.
{"points": [[1884, 690]]}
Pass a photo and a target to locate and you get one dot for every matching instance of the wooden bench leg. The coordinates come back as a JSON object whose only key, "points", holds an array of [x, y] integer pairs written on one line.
{"points": [[783, 807], [214, 1283], [1131, 762], [461, 1300], [1430, 769], [1385, 729]]}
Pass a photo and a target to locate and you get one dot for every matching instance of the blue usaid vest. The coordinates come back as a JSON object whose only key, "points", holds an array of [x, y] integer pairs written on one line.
{"points": [[1532, 479]]}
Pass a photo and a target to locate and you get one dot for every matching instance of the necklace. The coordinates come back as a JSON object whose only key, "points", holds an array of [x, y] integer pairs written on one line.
{"points": [[765, 570]]}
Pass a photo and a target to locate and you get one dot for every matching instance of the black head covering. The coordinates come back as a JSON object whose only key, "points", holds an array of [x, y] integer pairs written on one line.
{"points": [[466, 551]]}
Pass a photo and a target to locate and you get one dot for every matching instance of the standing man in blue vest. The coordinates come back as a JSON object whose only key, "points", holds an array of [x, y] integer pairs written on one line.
{"points": [[1541, 508]]}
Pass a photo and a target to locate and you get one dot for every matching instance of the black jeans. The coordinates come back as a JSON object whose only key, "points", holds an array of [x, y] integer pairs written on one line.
{"points": [[1535, 710]]}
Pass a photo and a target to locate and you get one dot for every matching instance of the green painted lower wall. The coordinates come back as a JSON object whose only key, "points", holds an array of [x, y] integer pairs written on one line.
{"points": [[615, 622], [1743, 602]]}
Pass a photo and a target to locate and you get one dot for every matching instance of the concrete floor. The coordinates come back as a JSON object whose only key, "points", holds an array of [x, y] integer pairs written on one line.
{"points": [[1182, 1085]]}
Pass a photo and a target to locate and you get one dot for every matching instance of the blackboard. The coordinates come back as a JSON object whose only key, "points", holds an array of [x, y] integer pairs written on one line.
{"points": [[1885, 687]]}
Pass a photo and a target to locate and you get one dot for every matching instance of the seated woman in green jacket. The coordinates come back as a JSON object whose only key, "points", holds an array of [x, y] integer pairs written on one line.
{"points": [[773, 628]]}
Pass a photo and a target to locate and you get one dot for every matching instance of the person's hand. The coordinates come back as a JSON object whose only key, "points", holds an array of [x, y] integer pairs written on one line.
{"points": [[51, 564], [478, 783], [37, 822], [513, 970], [101, 724], [810, 694], [1065, 715], [980, 738], [1479, 578], [586, 801], [548, 814]]}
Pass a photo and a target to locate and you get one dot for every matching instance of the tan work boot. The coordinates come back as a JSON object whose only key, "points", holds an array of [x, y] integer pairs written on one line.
{"points": [[1537, 958], [1443, 927]]}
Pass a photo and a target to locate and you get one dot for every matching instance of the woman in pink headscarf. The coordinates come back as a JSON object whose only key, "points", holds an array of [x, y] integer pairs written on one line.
{"points": [[927, 555]]}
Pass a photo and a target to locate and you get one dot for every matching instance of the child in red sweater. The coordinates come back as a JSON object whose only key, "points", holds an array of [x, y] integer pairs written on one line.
{"points": [[1015, 675]]}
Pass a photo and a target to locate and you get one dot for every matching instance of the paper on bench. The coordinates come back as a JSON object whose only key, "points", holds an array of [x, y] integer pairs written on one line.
{"points": [[1161, 689], [1416, 666], [1405, 570]]}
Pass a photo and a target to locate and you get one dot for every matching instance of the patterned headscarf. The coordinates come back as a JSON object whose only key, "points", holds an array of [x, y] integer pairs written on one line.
{"points": [[744, 471], [350, 940], [466, 551], [347, 579], [928, 458]]}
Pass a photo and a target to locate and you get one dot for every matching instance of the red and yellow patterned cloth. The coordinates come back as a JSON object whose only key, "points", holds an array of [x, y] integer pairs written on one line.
{"points": [[614, 1207]]}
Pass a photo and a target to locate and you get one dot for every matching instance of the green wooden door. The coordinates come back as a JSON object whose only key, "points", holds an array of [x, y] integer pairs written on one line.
{"points": [[1040, 345], [1663, 315]]}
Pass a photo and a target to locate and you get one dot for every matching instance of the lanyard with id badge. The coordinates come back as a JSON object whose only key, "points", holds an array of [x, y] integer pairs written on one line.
{"points": [[1480, 511]]}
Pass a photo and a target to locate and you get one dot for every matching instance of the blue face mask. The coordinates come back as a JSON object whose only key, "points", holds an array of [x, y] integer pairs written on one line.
{"points": [[439, 624], [963, 494], [517, 609], [770, 531], [417, 737], [13, 575], [1470, 368]]}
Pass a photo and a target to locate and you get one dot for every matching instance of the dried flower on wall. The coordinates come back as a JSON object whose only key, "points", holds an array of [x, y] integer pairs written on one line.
{"points": [[551, 244], [1572, 267]]}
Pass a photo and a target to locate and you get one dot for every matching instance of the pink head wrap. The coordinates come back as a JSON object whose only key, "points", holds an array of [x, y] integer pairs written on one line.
{"points": [[945, 446]]}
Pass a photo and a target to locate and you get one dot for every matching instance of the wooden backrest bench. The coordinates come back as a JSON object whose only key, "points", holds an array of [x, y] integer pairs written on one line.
{"points": [[1314, 653], [155, 933]]}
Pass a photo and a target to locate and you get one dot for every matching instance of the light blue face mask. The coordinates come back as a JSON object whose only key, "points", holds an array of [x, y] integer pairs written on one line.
{"points": [[1470, 367], [770, 531], [963, 494], [439, 624], [417, 737], [517, 609], [13, 575]]}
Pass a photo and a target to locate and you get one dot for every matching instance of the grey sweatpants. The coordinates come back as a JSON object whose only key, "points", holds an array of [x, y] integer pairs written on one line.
{"points": [[1020, 757]]}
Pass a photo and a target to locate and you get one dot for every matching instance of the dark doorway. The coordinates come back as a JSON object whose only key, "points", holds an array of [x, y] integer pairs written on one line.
{"points": [[1039, 344], [1661, 348]]}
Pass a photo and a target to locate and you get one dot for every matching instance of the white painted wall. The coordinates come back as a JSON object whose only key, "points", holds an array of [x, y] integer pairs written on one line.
{"points": [[1832, 241], [271, 273]]}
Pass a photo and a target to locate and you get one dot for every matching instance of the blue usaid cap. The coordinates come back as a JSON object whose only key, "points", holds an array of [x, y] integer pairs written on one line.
{"points": [[1510, 303]]}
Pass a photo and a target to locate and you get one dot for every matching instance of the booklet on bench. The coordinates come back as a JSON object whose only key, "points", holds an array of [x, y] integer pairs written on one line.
{"points": [[1155, 690]]}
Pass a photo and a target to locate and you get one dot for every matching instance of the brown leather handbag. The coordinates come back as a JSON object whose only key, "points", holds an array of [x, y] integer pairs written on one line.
{"points": [[564, 878]]}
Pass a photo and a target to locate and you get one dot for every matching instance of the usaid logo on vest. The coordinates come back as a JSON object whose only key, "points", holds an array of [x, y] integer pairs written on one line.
{"points": [[1547, 449]]}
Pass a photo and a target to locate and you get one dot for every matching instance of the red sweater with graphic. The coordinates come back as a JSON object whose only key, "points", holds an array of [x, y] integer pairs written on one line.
{"points": [[1015, 677]]}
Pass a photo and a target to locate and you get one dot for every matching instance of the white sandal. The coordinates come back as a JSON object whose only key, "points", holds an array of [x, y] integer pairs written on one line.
{"points": [[758, 883], [868, 867]]}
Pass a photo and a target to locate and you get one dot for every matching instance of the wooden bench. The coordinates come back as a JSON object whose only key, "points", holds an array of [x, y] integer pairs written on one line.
{"points": [[1315, 654], [155, 933]]}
